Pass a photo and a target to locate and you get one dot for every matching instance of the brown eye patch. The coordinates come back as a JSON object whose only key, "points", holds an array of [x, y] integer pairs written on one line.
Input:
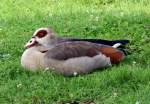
{"points": [[41, 33]]}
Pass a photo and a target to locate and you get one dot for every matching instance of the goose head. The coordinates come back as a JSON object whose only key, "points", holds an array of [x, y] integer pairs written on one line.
{"points": [[43, 36]]}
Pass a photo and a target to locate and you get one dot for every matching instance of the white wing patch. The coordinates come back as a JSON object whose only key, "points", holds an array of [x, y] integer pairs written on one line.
{"points": [[116, 45]]}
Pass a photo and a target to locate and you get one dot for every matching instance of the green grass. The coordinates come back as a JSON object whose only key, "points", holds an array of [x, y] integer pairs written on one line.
{"points": [[126, 83]]}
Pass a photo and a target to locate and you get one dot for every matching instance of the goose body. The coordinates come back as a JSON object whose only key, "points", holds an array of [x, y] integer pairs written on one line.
{"points": [[71, 57], [68, 57], [65, 62]]}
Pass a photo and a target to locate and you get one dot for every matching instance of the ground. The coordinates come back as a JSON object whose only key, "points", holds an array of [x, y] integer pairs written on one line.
{"points": [[126, 83]]}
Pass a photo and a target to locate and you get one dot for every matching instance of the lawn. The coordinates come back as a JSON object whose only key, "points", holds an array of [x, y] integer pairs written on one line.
{"points": [[126, 83]]}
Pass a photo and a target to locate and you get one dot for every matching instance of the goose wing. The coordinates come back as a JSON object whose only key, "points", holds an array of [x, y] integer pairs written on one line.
{"points": [[71, 58], [67, 50]]}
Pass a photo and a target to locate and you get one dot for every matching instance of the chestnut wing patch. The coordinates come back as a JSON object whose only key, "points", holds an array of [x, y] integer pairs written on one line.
{"points": [[115, 55]]}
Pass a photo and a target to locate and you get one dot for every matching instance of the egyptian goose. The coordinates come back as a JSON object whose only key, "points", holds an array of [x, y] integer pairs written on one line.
{"points": [[67, 57]]}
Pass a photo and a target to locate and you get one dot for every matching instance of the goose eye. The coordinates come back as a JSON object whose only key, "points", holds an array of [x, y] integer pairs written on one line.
{"points": [[41, 33]]}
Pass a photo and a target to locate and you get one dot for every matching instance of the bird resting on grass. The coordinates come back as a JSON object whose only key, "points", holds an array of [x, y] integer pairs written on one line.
{"points": [[69, 56]]}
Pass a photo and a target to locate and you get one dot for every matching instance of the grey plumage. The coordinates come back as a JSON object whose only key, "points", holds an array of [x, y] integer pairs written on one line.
{"points": [[79, 57], [79, 65]]}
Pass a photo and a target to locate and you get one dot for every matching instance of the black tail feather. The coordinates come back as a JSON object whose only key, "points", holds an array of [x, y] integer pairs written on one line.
{"points": [[101, 41]]}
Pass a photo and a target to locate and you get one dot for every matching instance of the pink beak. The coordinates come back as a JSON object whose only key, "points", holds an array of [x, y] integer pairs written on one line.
{"points": [[31, 43]]}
